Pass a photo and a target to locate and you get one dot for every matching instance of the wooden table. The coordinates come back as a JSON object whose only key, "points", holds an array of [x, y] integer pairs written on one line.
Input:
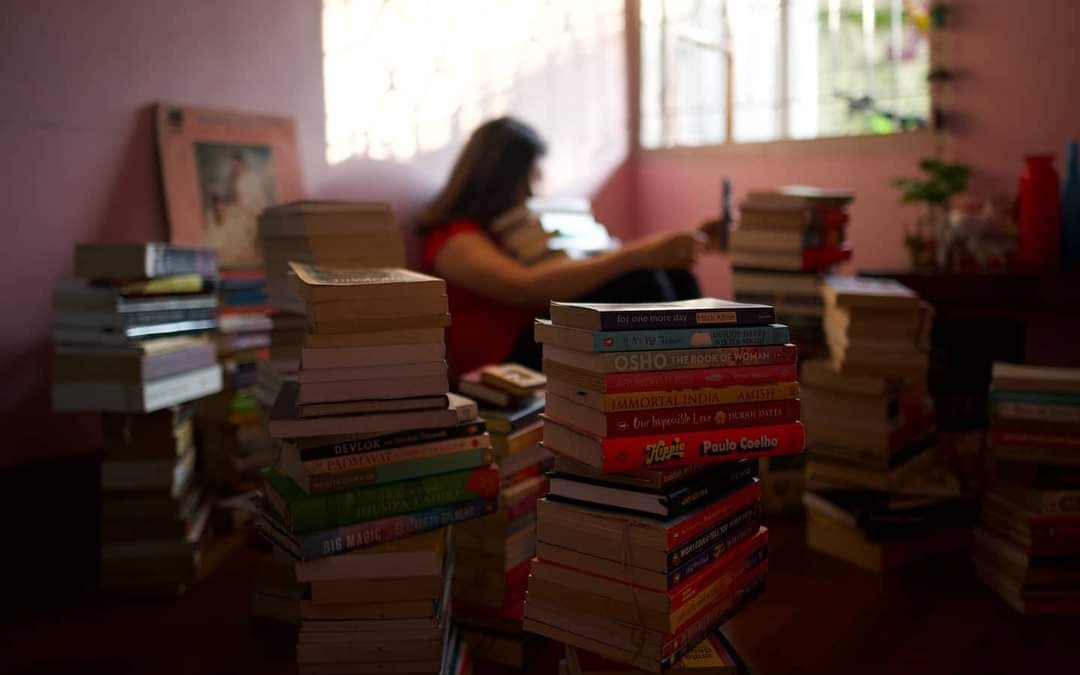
{"points": [[816, 616]]}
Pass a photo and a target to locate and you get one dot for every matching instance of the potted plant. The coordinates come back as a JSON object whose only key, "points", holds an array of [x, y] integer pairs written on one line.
{"points": [[934, 191]]}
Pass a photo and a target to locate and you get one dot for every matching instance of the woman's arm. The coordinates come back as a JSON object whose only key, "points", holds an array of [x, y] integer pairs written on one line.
{"points": [[472, 261]]}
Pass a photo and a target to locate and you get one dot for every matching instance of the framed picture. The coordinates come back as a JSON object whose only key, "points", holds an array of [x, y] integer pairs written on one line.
{"points": [[219, 169]]}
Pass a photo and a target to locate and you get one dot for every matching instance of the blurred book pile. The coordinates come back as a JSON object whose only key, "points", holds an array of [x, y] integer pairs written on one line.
{"points": [[492, 555], [377, 460], [787, 241], [876, 494], [1027, 544], [335, 234], [650, 537], [131, 340], [232, 424]]}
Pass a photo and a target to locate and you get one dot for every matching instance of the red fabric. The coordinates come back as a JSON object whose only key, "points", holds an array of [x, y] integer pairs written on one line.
{"points": [[483, 330]]}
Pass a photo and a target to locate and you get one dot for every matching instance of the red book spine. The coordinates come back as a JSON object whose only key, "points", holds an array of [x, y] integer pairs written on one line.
{"points": [[777, 365], [731, 564], [694, 630], [702, 418], [1034, 439], [665, 451], [693, 524]]}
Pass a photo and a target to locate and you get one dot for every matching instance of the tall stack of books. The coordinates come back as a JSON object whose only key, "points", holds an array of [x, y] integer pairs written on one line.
{"points": [[232, 424], [650, 535], [1027, 546], [876, 495], [377, 459], [131, 341], [787, 240], [343, 235], [492, 554]]}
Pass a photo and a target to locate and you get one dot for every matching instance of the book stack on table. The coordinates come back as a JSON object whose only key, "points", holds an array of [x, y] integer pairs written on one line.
{"points": [[876, 494], [232, 424], [1027, 545], [377, 460], [787, 241], [343, 235], [492, 554], [650, 536], [131, 341]]}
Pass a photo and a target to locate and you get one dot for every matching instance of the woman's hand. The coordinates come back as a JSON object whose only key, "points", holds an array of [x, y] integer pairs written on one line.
{"points": [[667, 250]]}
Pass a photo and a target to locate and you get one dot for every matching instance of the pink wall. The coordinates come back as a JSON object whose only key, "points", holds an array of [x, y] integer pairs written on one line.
{"points": [[79, 164], [1018, 92]]}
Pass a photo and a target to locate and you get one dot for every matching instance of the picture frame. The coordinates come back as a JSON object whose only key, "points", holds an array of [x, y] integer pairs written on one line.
{"points": [[219, 169]]}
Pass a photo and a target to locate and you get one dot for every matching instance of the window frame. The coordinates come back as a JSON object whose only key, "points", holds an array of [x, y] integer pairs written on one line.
{"points": [[924, 140]]}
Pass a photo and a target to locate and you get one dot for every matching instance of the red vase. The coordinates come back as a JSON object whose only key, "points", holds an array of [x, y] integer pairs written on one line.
{"points": [[1039, 239]]}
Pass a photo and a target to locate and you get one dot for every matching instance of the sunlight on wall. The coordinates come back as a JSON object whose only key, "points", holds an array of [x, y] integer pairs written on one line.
{"points": [[407, 77]]}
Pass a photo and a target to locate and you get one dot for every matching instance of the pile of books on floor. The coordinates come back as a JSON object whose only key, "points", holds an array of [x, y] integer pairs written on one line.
{"points": [[1027, 545], [131, 341], [377, 459], [650, 536], [787, 240], [876, 494], [343, 235], [232, 424], [493, 554]]}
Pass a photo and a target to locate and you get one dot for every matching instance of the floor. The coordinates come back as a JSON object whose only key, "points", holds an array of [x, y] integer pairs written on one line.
{"points": [[817, 615]]}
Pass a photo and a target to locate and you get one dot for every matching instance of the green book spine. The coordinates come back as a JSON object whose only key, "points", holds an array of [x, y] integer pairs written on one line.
{"points": [[321, 483], [302, 512]]}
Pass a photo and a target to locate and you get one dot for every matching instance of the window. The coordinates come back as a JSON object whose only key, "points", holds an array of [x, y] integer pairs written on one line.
{"points": [[720, 71]]}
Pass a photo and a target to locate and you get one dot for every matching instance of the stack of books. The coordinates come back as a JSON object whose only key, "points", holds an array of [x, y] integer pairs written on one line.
{"points": [[342, 235], [650, 535], [377, 459], [787, 240], [492, 554], [1027, 545], [876, 495], [131, 341], [232, 424]]}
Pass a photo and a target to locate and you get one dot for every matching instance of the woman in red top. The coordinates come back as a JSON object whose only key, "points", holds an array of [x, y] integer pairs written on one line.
{"points": [[493, 297]]}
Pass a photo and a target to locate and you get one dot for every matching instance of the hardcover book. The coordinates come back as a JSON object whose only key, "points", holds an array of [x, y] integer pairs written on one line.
{"points": [[142, 261], [651, 340], [675, 359]]}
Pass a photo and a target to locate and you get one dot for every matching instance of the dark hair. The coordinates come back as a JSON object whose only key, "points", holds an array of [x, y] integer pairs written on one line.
{"points": [[489, 174]]}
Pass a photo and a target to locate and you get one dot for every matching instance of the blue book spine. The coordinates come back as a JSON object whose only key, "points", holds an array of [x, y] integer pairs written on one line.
{"points": [[715, 544], [334, 541], [690, 338]]}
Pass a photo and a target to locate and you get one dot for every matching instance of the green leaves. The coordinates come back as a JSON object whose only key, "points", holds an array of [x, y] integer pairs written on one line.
{"points": [[942, 181]]}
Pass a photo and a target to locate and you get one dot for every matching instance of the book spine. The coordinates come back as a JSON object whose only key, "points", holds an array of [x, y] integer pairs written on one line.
{"points": [[675, 318], [388, 441], [339, 509], [702, 418], [391, 473], [699, 447], [529, 472], [1050, 398], [329, 542], [684, 530], [1059, 502], [741, 336], [526, 504], [1038, 412], [688, 598], [689, 498], [360, 461], [722, 584], [1034, 439], [684, 359], [700, 378], [678, 644], [714, 543]]}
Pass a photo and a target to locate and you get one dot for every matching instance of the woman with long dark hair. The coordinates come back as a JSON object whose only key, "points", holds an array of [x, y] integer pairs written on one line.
{"points": [[494, 297]]}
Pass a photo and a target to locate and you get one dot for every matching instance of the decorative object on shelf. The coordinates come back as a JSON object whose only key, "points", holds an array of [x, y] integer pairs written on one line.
{"points": [[981, 235], [1039, 214], [927, 240], [1070, 208]]}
